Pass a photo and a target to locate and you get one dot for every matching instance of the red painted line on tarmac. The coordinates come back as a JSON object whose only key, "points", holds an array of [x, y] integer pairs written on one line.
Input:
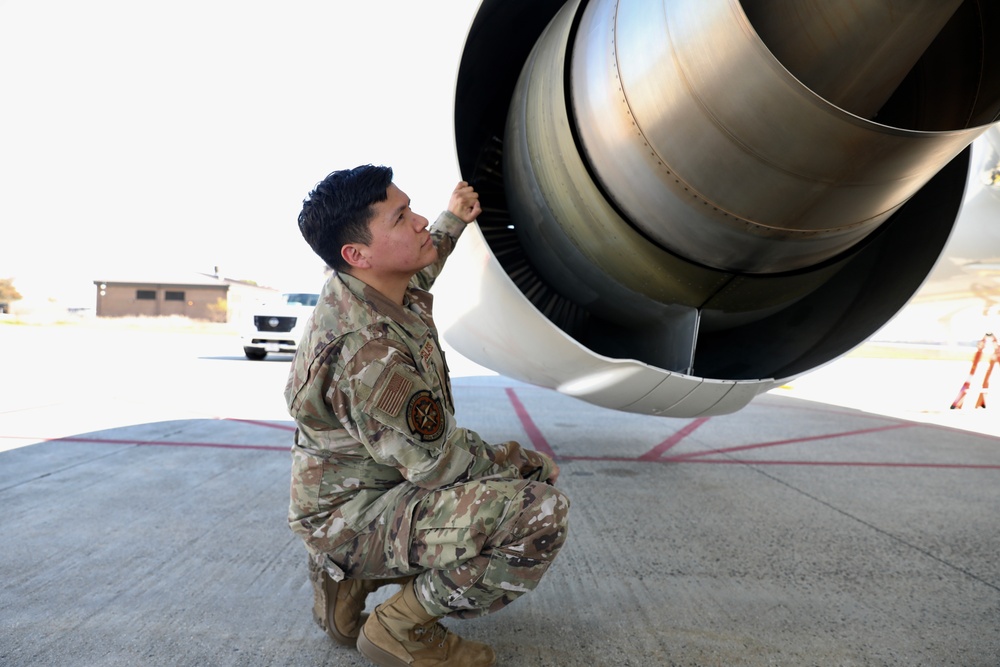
{"points": [[534, 434], [751, 462], [847, 464], [656, 452], [612, 459], [777, 443], [163, 443], [608, 459]]}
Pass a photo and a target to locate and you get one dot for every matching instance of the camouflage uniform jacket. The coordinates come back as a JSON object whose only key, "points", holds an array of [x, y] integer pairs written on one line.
{"points": [[370, 394]]}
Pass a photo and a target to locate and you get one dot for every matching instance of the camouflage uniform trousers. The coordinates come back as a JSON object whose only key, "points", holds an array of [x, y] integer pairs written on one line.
{"points": [[475, 547]]}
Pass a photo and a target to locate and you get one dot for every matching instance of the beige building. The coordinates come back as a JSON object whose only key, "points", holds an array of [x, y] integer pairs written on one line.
{"points": [[199, 296]]}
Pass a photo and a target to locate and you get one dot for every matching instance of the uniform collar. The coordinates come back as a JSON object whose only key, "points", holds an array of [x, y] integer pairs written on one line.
{"points": [[414, 315]]}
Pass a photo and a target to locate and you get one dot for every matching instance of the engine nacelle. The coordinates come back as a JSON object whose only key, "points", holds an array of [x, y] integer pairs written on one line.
{"points": [[689, 202]]}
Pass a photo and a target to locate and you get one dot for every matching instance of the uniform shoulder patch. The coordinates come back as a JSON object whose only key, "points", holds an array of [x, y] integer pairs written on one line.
{"points": [[424, 416], [394, 394]]}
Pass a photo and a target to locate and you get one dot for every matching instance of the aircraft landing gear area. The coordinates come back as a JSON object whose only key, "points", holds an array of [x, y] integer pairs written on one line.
{"points": [[974, 379]]}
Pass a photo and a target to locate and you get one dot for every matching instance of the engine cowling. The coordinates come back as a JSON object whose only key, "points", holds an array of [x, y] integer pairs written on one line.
{"points": [[689, 202]]}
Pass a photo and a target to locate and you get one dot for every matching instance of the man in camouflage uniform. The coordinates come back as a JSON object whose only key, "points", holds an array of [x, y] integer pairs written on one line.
{"points": [[386, 487]]}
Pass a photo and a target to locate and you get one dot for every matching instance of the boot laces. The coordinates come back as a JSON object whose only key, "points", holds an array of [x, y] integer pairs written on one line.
{"points": [[431, 633]]}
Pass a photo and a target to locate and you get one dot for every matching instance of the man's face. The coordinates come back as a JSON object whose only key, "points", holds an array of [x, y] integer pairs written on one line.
{"points": [[401, 244]]}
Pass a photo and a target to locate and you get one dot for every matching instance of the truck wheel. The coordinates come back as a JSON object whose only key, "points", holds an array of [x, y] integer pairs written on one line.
{"points": [[254, 353]]}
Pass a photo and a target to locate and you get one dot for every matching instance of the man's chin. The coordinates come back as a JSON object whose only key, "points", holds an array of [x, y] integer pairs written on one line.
{"points": [[433, 254]]}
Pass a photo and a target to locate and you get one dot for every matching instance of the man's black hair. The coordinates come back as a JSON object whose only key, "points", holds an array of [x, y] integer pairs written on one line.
{"points": [[338, 210]]}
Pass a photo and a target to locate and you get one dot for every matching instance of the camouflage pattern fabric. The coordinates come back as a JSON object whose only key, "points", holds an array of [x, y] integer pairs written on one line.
{"points": [[384, 482], [475, 546]]}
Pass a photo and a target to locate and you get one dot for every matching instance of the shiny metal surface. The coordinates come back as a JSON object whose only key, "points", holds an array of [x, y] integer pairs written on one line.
{"points": [[500, 329], [567, 220], [852, 54], [576, 238], [674, 222], [716, 152]]}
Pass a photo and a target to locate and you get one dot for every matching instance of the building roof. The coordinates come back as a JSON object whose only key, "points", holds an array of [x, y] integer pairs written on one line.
{"points": [[180, 279]]}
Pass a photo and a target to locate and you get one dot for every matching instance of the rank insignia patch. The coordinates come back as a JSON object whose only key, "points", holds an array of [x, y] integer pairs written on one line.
{"points": [[424, 416], [426, 351]]}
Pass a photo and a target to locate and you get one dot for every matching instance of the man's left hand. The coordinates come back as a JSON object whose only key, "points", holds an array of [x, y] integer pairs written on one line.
{"points": [[554, 477], [464, 203]]}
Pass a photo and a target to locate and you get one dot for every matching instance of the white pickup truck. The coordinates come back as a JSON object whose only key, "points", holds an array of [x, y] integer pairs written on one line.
{"points": [[278, 327]]}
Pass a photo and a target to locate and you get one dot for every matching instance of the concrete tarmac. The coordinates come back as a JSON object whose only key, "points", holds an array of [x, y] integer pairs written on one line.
{"points": [[145, 479]]}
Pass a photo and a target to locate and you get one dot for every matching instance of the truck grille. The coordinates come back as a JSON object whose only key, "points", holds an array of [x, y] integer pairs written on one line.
{"points": [[274, 323]]}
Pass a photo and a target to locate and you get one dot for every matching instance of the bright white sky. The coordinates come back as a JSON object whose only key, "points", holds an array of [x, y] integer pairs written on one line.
{"points": [[147, 138]]}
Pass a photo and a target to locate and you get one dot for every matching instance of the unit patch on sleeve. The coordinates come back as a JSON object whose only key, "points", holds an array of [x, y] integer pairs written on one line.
{"points": [[424, 416]]}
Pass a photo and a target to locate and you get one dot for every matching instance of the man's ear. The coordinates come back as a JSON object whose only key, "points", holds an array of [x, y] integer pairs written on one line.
{"points": [[354, 254]]}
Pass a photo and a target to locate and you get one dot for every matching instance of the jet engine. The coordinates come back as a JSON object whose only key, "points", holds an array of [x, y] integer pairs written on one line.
{"points": [[690, 202]]}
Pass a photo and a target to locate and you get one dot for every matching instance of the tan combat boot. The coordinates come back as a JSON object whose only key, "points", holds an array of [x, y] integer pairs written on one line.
{"points": [[338, 605], [402, 634]]}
